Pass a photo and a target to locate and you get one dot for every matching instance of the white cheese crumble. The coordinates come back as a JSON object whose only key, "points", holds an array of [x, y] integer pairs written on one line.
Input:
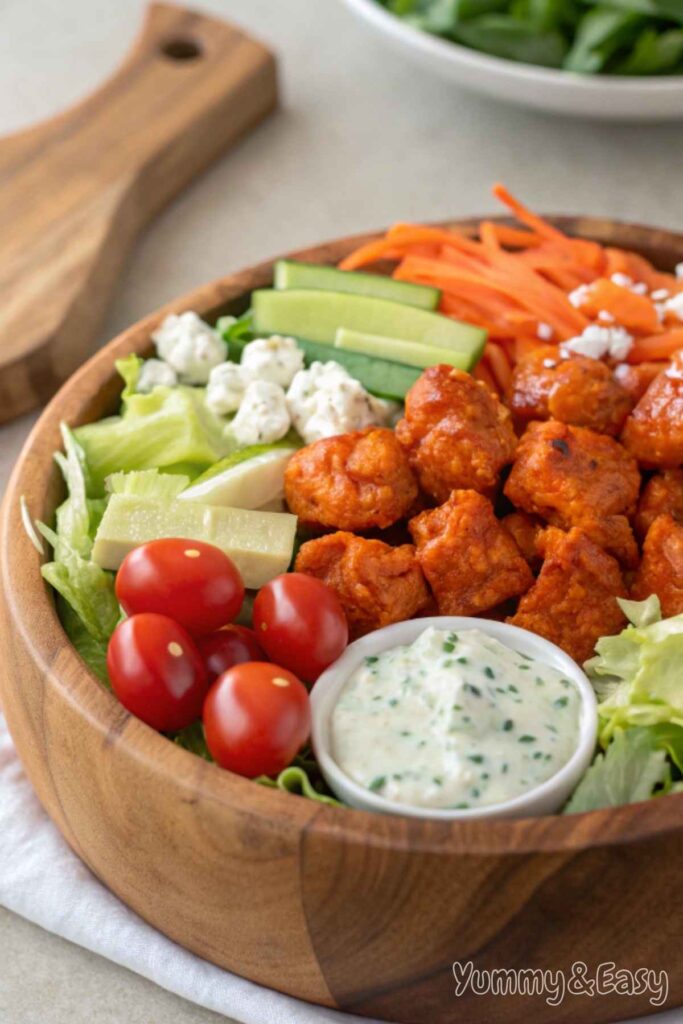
{"points": [[263, 417], [226, 387], [325, 400], [624, 281], [155, 373], [660, 294], [678, 270], [544, 331], [597, 342], [275, 359], [580, 296], [674, 305], [606, 316], [190, 346]]}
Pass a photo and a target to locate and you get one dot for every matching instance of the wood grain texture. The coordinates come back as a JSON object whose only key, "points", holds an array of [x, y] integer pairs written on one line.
{"points": [[76, 190], [343, 908]]}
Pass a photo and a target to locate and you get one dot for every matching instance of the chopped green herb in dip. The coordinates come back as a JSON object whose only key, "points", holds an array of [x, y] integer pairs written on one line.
{"points": [[425, 729]]}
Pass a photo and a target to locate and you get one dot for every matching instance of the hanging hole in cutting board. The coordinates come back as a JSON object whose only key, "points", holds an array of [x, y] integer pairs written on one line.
{"points": [[181, 49]]}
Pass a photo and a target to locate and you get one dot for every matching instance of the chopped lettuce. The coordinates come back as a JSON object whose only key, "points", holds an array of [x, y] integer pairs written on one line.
{"points": [[636, 674], [86, 588], [301, 777], [92, 650], [633, 768], [147, 483], [637, 678], [169, 428]]}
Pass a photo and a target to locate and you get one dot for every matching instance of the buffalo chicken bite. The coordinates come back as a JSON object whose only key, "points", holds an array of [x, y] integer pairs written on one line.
{"points": [[661, 570], [354, 481], [526, 532], [456, 433], [572, 476], [575, 390], [654, 431], [573, 601], [376, 584], [663, 493], [471, 562]]}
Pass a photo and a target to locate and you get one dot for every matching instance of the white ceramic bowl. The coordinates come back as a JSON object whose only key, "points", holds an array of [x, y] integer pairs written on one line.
{"points": [[560, 92], [544, 799]]}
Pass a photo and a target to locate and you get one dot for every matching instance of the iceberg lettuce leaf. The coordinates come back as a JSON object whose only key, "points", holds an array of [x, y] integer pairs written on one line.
{"points": [[632, 769]]}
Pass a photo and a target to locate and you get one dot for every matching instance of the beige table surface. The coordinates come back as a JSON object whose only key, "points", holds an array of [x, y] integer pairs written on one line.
{"points": [[362, 139]]}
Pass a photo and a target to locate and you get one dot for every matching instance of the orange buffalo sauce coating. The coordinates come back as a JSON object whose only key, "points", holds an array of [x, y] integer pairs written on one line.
{"points": [[376, 584], [661, 570], [456, 433], [571, 476], [354, 481], [470, 560], [573, 602], [654, 431]]}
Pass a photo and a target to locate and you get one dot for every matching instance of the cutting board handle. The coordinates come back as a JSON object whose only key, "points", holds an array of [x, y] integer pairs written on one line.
{"points": [[76, 190]]}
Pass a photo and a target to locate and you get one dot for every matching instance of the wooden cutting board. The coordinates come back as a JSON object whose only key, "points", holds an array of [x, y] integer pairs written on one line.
{"points": [[76, 190]]}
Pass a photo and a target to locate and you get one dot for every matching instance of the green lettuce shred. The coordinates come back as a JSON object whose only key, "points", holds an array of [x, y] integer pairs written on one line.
{"points": [[302, 777], [171, 428], [633, 768], [89, 609]]}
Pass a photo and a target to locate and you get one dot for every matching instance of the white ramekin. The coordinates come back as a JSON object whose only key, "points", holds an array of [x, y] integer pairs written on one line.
{"points": [[543, 799]]}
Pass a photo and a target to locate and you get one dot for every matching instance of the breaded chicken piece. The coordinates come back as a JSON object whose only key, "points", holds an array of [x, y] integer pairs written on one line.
{"points": [[354, 481], [471, 562], [573, 601], [456, 433], [636, 379], [577, 390], [525, 531], [654, 431], [376, 584], [663, 493], [661, 570], [571, 476]]}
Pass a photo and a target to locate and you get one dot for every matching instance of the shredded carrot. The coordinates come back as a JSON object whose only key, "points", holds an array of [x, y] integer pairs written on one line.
{"points": [[518, 282], [634, 312], [482, 373], [657, 346], [500, 368]]}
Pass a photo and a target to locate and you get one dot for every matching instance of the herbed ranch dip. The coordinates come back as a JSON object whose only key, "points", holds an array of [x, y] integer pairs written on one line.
{"points": [[454, 720]]}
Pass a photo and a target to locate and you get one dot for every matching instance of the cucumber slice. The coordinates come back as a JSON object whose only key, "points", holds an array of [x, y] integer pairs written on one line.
{"points": [[250, 478], [290, 274], [318, 315], [378, 376], [259, 543], [409, 352]]}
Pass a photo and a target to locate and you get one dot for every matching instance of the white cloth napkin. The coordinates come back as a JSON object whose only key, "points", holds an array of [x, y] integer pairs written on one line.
{"points": [[43, 881]]}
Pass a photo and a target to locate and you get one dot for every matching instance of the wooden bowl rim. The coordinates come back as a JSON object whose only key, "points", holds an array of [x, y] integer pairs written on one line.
{"points": [[188, 773]]}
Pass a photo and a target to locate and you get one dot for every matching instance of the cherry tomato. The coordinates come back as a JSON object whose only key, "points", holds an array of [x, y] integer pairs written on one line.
{"points": [[194, 583], [157, 672], [300, 624], [227, 647], [257, 716]]}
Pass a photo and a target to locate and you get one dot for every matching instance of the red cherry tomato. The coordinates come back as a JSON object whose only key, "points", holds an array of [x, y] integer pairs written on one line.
{"points": [[227, 647], [257, 716], [300, 624], [194, 583], [157, 672]]}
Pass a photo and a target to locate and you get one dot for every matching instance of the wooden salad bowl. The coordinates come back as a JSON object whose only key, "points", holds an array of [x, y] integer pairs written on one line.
{"points": [[360, 912]]}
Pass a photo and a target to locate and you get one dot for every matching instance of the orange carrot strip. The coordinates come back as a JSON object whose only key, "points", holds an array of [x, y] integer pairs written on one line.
{"points": [[515, 238], [622, 261], [481, 372], [498, 364], [634, 312], [658, 346], [526, 216], [382, 249]]}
